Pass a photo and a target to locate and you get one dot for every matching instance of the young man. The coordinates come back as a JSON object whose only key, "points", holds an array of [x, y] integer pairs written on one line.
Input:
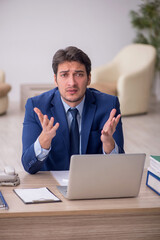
{"points": [[48, 122]]}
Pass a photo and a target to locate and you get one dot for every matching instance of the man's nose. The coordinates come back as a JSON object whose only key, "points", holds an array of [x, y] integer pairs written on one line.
{"points": [[71, 80]]}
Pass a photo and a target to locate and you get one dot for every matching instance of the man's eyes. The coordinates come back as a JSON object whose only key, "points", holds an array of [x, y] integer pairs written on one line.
{"points": [[65, 75], [79, 74]]}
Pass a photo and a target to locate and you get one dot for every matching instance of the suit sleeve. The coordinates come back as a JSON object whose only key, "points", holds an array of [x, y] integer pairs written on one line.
{"points": [[31, 131]]}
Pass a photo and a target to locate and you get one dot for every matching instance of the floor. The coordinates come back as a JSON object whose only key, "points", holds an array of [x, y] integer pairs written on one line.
{"points": [[141, 134]]}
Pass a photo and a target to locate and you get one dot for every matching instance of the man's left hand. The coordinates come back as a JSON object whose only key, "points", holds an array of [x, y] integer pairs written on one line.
{"points": [[108, 131]]}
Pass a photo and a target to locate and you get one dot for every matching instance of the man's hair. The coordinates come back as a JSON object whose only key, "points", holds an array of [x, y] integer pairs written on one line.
{"points": [[70, 54]]}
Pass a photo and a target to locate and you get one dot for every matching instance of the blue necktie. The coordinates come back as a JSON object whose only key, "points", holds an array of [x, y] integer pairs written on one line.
{"points": [[74, 133]]}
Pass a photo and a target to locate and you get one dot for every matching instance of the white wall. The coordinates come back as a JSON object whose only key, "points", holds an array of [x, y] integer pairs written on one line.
{"points": [[32, 30]]}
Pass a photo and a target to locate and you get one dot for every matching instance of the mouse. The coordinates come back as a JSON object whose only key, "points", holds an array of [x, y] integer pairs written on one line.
{"points": [[9, 170]]}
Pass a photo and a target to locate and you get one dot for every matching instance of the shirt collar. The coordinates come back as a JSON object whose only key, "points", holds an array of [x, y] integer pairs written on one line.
{"points": [[79, 106]]}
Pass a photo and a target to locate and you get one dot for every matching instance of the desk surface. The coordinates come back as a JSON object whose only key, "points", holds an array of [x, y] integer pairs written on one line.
{"points": [[86, 219], [147, 201]]}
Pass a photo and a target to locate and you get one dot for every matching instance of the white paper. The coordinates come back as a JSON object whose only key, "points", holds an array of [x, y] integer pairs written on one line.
{"points": [[61, 177], [35, 195]]}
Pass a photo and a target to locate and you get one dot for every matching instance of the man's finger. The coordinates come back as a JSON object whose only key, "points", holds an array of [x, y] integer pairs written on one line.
{"points": [[37, 110], [112, 114], [56, 126], [54, 129], [45, 122], [51, 121], [117, 119], [39, 114]]}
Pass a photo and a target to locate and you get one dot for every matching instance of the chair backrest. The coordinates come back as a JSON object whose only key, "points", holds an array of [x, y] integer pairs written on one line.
{"points": [[135, 57]]}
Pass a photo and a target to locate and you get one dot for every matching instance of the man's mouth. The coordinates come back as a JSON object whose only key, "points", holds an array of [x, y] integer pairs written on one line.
{"points": [[72, 90]]}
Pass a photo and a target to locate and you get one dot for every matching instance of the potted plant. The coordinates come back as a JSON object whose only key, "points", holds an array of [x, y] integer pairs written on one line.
{"points": [[147, 23]]}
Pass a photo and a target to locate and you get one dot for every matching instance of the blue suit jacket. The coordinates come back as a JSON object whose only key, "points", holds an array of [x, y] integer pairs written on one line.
{"points": [[96, 111]]}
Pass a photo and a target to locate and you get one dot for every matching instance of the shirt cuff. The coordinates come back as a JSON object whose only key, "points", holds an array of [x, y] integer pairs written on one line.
{"points": [[114, 151], [40, 152]]}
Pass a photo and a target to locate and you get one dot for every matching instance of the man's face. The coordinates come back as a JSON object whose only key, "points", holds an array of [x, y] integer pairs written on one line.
{"points": [[72, 82]]}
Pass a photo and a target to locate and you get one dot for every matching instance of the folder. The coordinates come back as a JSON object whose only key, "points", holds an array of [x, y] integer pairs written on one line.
{"points": [[36, 195]]}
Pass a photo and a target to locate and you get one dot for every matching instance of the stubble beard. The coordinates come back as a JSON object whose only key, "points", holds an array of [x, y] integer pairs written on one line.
{"points": [[73, 100]]}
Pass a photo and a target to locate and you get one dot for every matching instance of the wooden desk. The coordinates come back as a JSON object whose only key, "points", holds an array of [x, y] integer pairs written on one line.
{"points": [[130, 218]]}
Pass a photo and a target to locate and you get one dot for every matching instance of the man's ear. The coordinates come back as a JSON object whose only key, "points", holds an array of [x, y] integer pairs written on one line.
{"points": [[89, 79], [55, 79]]}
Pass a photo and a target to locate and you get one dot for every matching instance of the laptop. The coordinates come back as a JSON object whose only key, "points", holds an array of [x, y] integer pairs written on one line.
{"points": [[104, 176]]}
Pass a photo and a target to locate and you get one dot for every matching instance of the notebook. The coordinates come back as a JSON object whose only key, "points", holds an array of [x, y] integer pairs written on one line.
{"points": [[104, 176]]}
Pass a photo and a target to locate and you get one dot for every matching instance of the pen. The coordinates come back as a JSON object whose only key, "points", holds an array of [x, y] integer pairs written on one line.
{"points": [[5, 205]]}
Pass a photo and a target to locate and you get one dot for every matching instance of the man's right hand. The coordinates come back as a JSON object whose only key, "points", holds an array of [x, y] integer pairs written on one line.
{"points": [[48, 129]]}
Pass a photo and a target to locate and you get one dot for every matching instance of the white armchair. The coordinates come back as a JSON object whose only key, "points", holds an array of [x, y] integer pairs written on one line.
{"points": [[4, 89], [129, 76]]}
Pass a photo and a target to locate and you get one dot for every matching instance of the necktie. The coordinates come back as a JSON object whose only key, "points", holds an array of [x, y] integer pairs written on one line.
{"points": [[74, 133]]}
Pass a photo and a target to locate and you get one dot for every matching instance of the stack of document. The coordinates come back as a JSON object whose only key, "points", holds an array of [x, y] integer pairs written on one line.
{"points": [[153, 174]]}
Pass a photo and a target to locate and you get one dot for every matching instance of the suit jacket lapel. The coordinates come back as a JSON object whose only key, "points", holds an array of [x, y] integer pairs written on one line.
{"points": [[87, 119], [59, 115], [58, 112]]}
